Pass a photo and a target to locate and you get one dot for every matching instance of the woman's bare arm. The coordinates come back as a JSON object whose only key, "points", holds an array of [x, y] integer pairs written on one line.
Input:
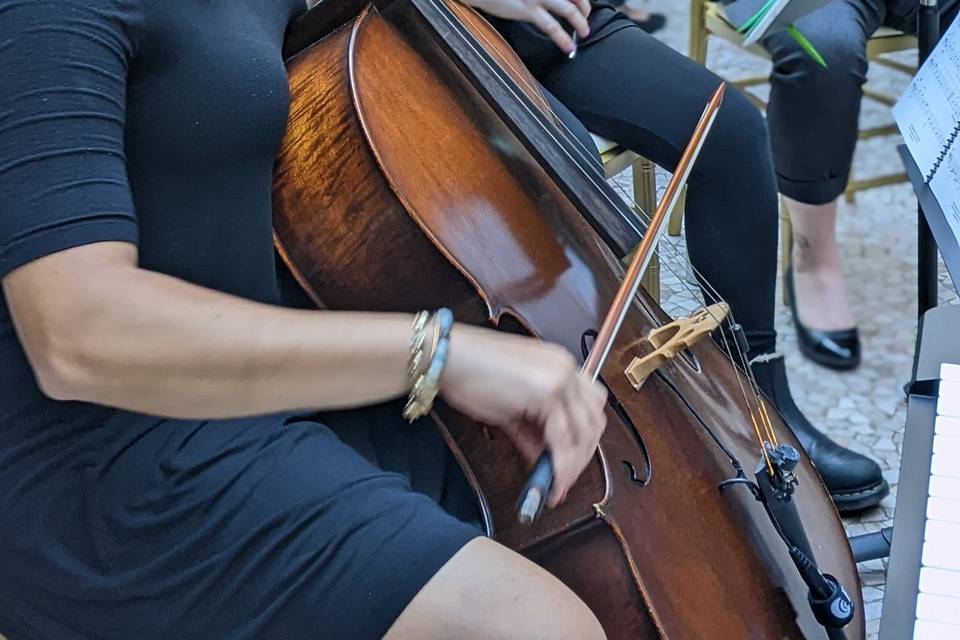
{"points": [[97, 328]]}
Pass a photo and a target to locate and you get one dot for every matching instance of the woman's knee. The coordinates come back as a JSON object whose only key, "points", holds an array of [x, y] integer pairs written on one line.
{"points": [[842, 48], [741, 120], [487, 591], [736, 142]]}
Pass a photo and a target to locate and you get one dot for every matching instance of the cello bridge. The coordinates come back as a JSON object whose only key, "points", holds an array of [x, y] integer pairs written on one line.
{"points": [[671, 339]]}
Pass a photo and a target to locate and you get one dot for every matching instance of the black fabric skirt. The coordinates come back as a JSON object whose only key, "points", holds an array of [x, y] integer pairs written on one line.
{"points": [[261, 528]]}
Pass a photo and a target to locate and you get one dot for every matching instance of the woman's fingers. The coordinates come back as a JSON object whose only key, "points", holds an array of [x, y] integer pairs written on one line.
{"points": [[528, 438], [559, 440], [596, 403], [544, 20], [572, 12], [555, 18], [584, 6], [572, 431]]}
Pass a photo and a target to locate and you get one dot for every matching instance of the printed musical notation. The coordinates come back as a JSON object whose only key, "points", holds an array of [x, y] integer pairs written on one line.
{"points": [[945, 184], [928, 115]]}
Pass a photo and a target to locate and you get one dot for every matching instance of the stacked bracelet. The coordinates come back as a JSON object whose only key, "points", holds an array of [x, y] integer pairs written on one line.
{"points": [[416, 360], [426, 383]]}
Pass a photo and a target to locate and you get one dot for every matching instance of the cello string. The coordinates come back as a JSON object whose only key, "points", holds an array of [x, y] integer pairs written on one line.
{"points": [[580, 148], [586, 156], [572, 140]]}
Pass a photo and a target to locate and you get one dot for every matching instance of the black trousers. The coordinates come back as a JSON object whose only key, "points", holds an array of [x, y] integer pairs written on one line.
{"points": [[814, 111], [626, 86]]}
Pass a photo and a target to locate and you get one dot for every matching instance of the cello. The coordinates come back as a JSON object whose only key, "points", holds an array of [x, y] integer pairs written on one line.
{"points": [[421, 169]]}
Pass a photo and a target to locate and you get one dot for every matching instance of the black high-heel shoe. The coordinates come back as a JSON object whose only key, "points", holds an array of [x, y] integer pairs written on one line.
{"points": [[838, 350]]}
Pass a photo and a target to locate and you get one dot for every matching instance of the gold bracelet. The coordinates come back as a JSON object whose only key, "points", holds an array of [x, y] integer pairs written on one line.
{"points": [[416, 361], [435, 325], [425, 389]]}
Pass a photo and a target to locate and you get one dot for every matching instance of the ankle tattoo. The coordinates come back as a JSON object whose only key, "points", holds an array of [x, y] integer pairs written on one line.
{"points": [[801, 252]]}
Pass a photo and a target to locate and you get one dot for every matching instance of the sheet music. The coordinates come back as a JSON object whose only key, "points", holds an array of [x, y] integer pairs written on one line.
{"points": [[928, 116], [945, 185], [929, 110]]}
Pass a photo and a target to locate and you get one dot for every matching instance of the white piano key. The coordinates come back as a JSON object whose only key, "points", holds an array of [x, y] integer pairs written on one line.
{"points": [[928, 630], [938, 601], [945, 465], [949, 445], [940, 555], [947, 426], [944, 487], [940, 582], [948, 402], [939, 532], [938, 608], [949, 371], [944, 509]]}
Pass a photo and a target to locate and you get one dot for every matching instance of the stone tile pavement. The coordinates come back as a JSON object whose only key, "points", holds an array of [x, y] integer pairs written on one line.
{"points": [[865, 409]]}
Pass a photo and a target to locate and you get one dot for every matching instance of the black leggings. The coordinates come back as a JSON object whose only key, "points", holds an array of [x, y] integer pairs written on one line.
{"points": [[626, 86]]}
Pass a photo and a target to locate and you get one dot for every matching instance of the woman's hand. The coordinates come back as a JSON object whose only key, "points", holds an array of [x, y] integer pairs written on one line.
{"points": [[531, 390], [543, 14]]}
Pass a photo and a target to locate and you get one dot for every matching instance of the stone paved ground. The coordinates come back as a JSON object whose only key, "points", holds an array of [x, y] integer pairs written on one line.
{"points": [[865, 409]]}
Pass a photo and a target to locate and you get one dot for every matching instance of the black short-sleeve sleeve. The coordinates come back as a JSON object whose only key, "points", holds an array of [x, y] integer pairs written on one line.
{"points": [[63, 179]]}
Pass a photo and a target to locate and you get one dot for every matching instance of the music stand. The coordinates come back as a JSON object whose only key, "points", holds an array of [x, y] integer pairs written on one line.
{"points": [[932, 229], [928, 33]]}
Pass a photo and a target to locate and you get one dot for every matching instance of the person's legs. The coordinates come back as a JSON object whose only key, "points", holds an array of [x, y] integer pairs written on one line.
{"points": [[813, 117], [265, 527], [485, 577], [731, 206], [821, 293], [731, 199], [813, 110], [583, 142]]}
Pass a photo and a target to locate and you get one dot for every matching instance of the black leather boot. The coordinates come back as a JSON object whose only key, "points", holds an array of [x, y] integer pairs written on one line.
{"points": [[855, 481]]}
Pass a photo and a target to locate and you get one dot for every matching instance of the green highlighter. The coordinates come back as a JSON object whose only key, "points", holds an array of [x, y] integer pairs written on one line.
{"points": [[806, 46]]}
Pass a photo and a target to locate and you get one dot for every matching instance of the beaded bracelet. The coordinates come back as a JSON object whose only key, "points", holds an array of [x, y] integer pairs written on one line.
{"points": [[424, 390]]}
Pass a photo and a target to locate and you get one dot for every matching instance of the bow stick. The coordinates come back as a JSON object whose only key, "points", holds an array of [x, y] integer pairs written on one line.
{"points": [[535, 492]]}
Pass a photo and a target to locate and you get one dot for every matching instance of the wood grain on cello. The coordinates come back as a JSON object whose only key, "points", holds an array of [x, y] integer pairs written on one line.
{"points": [[400, 187]]}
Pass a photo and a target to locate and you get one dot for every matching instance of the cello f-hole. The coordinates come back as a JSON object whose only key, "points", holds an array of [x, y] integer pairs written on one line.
{"points": [[586, 343], [632, 473], [642, 477]]}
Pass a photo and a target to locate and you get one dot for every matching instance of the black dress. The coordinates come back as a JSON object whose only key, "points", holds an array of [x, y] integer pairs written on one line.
{"points": [[156, 123]]}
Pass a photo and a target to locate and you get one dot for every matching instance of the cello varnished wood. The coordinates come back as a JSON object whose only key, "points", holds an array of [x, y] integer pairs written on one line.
{"points": [[399, 188]]}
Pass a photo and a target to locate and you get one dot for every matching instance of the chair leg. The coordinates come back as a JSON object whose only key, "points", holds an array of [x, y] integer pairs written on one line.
{"points": [[786, 247], [697, 49], [651, 279], [645, 186], [675, 223], [645, 196]]}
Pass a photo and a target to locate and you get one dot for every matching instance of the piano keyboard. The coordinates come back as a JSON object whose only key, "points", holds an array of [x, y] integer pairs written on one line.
{"points": [[922, 593], [937, 612]]}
